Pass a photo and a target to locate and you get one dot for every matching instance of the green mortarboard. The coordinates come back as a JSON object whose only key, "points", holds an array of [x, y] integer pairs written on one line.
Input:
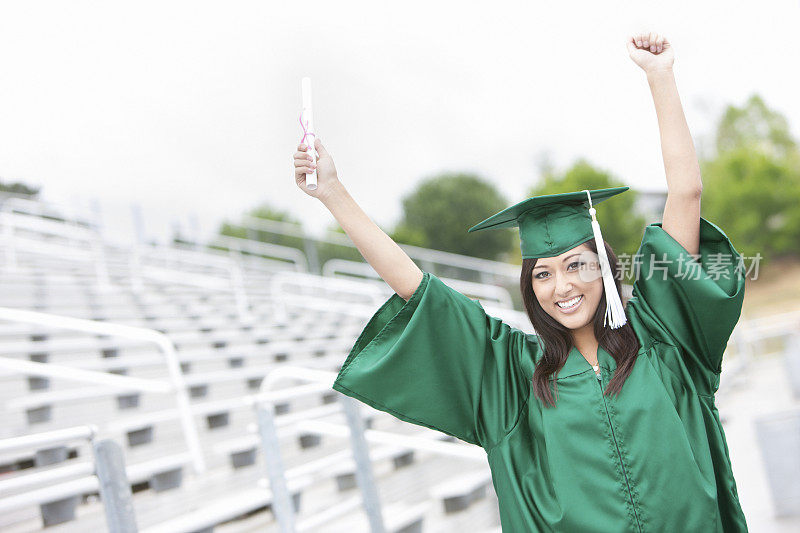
{"points": [[551, 224]]}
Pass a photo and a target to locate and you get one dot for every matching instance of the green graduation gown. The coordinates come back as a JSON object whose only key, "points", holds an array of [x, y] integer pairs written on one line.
{"points": [[654, 458]]}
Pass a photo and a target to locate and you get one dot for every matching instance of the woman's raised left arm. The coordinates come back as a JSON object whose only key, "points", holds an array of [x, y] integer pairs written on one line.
{"points": [[654, 54]]}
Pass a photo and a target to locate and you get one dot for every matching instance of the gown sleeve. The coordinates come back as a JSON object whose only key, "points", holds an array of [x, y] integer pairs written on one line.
{"points": [[439, 361], [696, 301]]}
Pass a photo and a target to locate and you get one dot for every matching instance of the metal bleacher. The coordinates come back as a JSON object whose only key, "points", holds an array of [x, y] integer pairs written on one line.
{"points": [[163, 351]]}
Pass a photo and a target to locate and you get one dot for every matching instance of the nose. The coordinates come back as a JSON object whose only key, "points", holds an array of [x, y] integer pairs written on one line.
{"points": [[563, 285]]}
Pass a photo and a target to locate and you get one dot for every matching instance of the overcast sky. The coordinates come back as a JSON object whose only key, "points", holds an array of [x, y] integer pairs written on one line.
{"points": [[192, 107]]}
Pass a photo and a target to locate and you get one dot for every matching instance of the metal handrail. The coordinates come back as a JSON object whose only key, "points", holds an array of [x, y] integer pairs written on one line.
{"points": [[163, 342], [39, 207], [10, 220], [286, 253], [485, 291], [234, 280], [425, 255], [13, 444], [317, 283], [125, 383], [747, 333]]}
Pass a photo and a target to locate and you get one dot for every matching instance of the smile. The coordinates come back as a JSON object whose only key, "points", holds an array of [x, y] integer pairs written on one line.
{"points": [[570, 305]]}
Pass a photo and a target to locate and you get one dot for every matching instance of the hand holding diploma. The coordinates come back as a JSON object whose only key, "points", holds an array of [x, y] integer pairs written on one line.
{"points": [[325, 170], [311, 154]]}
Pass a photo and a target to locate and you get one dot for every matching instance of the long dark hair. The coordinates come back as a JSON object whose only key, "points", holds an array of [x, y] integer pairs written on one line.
{"points": [[621, 343]]}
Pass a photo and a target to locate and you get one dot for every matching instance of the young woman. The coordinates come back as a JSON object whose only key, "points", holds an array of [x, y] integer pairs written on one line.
{"points": [[587, 426]]}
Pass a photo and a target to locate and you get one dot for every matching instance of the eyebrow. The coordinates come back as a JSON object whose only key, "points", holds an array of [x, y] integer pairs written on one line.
{"points": [[563, 260]]}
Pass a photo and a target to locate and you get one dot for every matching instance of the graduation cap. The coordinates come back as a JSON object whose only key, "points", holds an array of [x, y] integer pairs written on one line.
{"points": [[551, 224]]}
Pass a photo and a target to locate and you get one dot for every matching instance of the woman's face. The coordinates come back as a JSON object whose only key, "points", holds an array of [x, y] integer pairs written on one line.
{"points": [[573, 274]]}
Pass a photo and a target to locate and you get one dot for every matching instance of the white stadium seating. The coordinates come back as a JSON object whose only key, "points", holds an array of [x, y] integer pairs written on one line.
{"points": [[222, 338]]}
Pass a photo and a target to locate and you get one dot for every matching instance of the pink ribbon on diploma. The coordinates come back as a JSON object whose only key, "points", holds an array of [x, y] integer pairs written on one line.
{"points": [[306, 133]]}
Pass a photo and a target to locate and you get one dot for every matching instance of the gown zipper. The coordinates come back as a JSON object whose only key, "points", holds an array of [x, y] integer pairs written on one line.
{"points": [[619, 454]]}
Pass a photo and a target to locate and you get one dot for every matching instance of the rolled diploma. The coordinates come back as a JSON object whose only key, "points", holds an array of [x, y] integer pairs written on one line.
{"points": [[308, 120]]}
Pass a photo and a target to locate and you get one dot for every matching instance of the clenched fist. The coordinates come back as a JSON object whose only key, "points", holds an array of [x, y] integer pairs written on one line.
{"points": [[651, 51], [327, 178]]}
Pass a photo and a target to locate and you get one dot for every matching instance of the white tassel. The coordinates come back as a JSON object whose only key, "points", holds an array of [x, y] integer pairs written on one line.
{"points": [[615, 312]]}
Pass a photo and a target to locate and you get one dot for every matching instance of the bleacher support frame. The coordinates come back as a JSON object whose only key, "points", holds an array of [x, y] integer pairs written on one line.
{"points": [[108, 467], [359, 436]]}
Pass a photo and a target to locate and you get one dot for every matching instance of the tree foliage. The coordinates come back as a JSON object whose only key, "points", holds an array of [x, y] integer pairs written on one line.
{"points": [[751, 187], [755, 198], [754, 126], [253, 231], [19, 188], [440, 211]]}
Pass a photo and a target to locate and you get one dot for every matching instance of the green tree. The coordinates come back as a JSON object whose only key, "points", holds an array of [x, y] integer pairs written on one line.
{"points": [[332, 250], [754, 126], [268, 213], [622, 226], [754, 197], [440, 211], [316, 251], [245, 230], [20, 189], [751, 187]]}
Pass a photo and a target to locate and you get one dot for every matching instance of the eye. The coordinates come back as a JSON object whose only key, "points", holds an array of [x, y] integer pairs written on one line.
{"points": [[574, 263]]}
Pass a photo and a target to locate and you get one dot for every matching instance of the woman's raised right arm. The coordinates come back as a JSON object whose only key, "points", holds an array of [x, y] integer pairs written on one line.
{"points": [[384, 255]]}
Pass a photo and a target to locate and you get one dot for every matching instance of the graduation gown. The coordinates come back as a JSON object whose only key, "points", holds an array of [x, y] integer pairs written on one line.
{"points": [[653, 458]]}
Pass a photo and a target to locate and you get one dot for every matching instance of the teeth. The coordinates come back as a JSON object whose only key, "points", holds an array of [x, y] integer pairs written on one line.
{"points": [[569, 303]]}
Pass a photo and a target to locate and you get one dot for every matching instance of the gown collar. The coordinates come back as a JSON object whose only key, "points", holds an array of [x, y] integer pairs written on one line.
{"points": [[576, 363]]}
